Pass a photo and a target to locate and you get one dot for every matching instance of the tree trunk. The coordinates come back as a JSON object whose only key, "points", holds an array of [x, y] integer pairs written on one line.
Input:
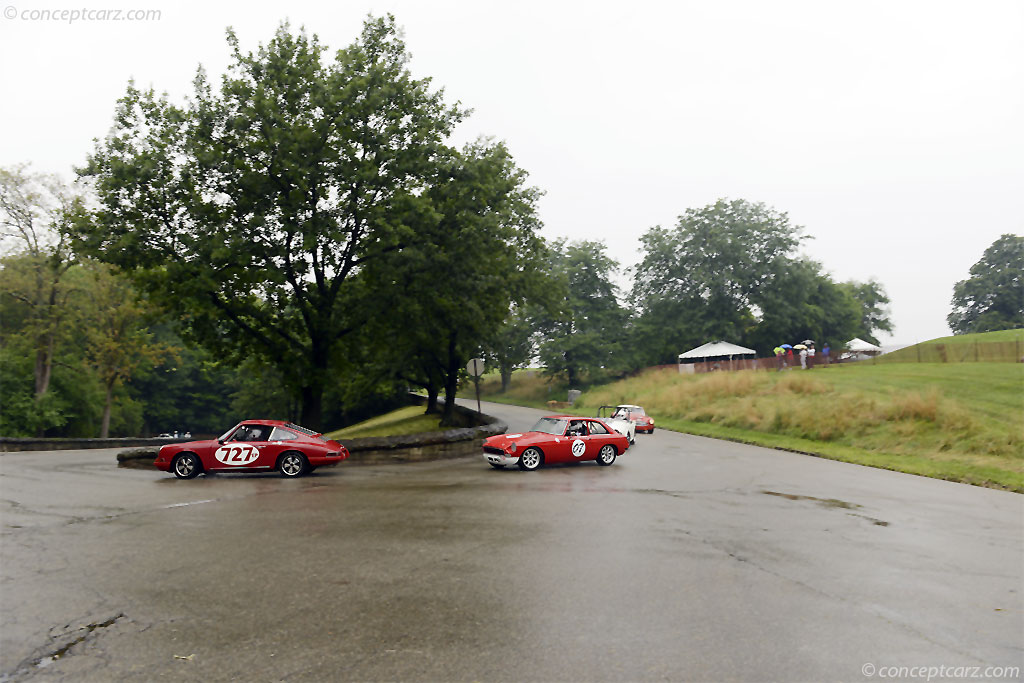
{"points": [[313, 391], [105, 424], [451, 385], [313, 406], [431, 398], [506, 377], [44, 365]]}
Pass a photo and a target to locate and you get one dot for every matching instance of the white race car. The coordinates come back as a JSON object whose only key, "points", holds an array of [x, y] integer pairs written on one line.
{"points": [[619, 421]]}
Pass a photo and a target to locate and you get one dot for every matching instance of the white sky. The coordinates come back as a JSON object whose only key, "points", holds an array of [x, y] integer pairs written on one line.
{"points": [[892, 131]]}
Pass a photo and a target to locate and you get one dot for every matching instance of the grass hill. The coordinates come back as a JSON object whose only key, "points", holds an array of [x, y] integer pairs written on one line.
{"points": [[408, 420], [957, 421], [1001, 346]]}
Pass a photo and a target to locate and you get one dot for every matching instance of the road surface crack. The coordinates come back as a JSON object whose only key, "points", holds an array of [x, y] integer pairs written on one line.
{"points": [[59, 646]]}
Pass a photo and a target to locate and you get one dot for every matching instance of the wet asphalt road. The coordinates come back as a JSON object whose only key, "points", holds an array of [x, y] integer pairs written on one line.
{"points": [[688, 559]]}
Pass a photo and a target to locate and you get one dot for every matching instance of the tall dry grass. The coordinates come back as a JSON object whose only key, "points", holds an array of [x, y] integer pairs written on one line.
{"points": [[812, 405]]}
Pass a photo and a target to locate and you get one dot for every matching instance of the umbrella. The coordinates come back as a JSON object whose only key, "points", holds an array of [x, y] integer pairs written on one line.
{"points": [[799, 346], [809, 342], [786, 346]]}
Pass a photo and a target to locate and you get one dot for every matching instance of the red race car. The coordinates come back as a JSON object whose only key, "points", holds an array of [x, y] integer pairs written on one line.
{"points": [[253, 446], [557, 438], [644, 422]]}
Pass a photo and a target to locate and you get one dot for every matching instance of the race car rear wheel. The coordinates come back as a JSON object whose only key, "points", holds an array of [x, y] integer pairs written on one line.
{"points": [[292, 464], [186, 465], [606, 456], [530, 459]]}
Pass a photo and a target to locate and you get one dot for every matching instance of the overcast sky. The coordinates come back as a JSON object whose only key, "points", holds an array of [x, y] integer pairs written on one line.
{"points": [[891, 131]]}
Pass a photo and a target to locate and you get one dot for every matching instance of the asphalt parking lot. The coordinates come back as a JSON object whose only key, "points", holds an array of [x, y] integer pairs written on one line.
{"points": [[688, 559]]}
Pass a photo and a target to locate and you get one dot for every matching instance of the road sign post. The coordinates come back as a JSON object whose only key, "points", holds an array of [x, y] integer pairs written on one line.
{"points": [[476, 368]]}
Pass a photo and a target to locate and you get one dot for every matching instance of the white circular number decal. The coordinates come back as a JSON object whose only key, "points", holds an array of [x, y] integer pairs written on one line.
{"points": [[239, 454], [578, 447]]}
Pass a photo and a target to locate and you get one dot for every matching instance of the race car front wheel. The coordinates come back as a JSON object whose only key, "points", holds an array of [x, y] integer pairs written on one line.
{"points": [[530, 459], [186, 466]]}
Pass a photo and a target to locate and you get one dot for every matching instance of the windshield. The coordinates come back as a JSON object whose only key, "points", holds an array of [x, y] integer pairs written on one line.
{"points": [[549, 425], [636, 410], [224, 437]]}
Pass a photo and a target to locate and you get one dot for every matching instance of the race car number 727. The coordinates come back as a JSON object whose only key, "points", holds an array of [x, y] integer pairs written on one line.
{"points": [[240, 454]]}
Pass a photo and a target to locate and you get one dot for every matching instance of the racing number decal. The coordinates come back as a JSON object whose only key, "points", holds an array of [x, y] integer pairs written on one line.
{"points": [[237, 454], [578, 447]]}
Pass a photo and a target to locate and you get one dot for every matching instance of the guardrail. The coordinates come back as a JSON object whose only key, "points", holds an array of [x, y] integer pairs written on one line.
{"points": [[14, 444]]}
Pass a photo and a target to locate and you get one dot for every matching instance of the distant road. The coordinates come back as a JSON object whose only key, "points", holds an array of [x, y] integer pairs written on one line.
{"points": [[688, 559]]}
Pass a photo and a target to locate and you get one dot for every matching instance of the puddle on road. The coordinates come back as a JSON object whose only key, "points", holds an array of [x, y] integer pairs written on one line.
{"points": [[829, 503]]}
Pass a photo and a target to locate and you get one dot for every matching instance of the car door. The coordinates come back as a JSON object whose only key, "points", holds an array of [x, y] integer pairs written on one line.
{"points": [[599, 436], [243, 449], [576, 442]]}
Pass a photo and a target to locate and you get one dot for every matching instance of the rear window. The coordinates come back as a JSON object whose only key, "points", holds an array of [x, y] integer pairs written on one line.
{"points": [[307, 432], [283, 435]]}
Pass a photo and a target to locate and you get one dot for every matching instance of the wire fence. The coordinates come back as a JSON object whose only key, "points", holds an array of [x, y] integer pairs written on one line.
{"points": [[958, 352], [962, 352]]}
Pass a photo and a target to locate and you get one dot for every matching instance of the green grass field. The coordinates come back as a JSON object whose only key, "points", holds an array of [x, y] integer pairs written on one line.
{"points": [[528, 388], [962, 422], [957, 421], [408, 420], [1002, 346]]}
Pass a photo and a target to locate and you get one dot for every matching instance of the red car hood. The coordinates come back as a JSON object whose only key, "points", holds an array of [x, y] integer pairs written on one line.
{"points": [[189, 445], [521, 439]]}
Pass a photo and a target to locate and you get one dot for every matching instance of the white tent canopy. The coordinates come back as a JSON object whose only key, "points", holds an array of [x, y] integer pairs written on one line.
{"points": [[717, 348], [858, 345]]}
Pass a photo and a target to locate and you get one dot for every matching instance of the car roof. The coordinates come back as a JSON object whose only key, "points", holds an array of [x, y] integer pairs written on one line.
{"points": [[628, 405], [272, 423], [571, 417]]}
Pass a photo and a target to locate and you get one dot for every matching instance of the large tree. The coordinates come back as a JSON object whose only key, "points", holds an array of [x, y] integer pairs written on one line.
{"points": [[249, 210], [482, 257], [584, 331], [512, 345], [993, 297], [35, 213], [113, 323], [731, 271], [874, 309], [711, 276]]}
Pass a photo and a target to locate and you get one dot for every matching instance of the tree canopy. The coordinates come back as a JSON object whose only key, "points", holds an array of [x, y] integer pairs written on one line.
{"points": [[587, 328], [249, 210], [992, 298], [731, 270]]}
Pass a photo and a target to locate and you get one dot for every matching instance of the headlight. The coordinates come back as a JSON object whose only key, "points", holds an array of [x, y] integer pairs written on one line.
{"points": [[512, 447]]}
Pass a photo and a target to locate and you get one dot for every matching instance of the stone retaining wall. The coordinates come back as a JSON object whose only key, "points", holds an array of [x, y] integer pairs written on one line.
{"points": [[12, 444], [454, 443]]}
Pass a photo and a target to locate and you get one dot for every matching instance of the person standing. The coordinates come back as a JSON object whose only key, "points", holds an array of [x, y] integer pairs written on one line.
{"points": [[803, 358], [779, 361], [810, 355], [824, 353]]}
